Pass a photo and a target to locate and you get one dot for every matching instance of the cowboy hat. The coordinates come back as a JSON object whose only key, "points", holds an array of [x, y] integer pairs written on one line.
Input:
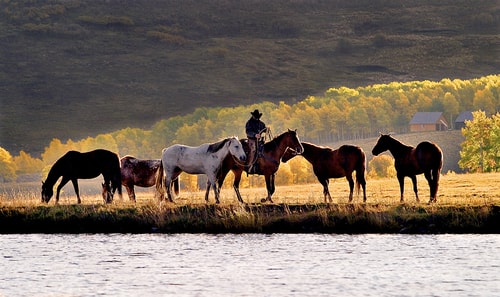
{"points": [[256, 114]]}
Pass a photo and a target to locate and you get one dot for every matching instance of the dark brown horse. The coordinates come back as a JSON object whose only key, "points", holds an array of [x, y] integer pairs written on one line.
{"points": [[267, 162], [76, 165], [142, 173], [328, 163], [426, 158]]}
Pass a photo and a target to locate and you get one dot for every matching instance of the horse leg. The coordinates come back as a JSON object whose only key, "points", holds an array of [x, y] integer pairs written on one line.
{"points": [[432, 180], [168, 184], [351, 186], [360, 180], [236, 185], [414, 181], [270, 188], [207, 191], [436, 173], [363, 185], [401, 180], [117, 185], [63, 182], [74, 181], [216, 192], [326, 193], [130, 192]]}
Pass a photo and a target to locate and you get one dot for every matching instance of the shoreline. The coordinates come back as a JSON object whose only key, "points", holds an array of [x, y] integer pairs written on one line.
{"points": [[252, 218]]}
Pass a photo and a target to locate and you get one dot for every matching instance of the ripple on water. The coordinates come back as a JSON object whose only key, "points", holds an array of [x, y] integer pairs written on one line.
{"points": [[249, 265]]}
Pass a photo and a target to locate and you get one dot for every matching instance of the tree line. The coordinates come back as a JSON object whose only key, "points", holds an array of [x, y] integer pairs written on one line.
{"points": [[481, 148], [338, 114]]}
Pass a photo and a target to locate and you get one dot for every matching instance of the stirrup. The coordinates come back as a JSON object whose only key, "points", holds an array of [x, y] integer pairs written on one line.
{"points": [[252, 169]]}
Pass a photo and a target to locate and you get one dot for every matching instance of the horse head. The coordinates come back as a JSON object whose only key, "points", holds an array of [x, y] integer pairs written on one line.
{"points": [[293, 141], [107, 194], [289, 154], [383, 144], [236, 149], [47, 192]]}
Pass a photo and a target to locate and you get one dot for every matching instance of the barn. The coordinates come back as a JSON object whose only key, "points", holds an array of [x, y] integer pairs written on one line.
{"points": [[428, 121], [462, 117]]}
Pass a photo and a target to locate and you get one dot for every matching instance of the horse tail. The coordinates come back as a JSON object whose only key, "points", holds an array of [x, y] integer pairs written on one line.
{"points": [[176, 186], [160, 179], [116, 177], [360, 170]]}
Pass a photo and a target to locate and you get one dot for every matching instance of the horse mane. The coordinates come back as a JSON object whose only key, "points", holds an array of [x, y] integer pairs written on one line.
{"points": [[215, 147], [276, 139], [397, 141]]}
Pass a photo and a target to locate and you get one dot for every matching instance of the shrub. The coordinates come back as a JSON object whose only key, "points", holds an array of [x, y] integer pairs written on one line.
{"points": [[381, 166]]}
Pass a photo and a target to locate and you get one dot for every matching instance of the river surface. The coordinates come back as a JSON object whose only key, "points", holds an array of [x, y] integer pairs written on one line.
{"points": [[249, 265]]}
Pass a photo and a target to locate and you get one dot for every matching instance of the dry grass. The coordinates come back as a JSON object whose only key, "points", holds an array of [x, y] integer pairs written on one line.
{"points": [[466, 204], [455, 189]]}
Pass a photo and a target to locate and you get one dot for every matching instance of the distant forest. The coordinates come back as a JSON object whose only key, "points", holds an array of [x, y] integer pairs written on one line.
{"points": [[340, 114]]}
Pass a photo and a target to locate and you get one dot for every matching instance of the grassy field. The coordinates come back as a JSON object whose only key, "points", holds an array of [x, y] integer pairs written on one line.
{"points": [[454, 189], [468, 203]]}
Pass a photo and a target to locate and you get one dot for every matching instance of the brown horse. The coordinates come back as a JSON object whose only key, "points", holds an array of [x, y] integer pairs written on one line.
{"points": [[328, 163], [75, 165], [426, 158], [267, 163], [142, 173]]}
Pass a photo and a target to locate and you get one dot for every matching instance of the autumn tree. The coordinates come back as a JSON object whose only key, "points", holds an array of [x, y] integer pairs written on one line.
{"points": [[53, 151], [381, 166], [484, 100], [7, 166], [26, 164], [481, 147]]}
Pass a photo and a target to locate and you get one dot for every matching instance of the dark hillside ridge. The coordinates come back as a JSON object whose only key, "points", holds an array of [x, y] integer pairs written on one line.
{"points": [[72, 69]]}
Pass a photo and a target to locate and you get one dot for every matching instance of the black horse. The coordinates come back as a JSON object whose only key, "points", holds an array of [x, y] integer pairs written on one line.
{"points": [[426, 158], [76, 165]]}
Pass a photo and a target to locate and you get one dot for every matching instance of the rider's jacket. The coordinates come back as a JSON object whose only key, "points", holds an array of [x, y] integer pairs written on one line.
{"points": [[254, 126]]}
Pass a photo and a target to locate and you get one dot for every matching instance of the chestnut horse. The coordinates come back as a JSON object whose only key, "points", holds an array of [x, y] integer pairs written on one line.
{"points": [[267, 163], [328, 163], [75, 165], [142, 173], [426, 158]]}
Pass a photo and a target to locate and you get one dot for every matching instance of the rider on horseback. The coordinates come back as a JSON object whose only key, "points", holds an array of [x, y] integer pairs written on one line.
{"points": [[254, 127]]}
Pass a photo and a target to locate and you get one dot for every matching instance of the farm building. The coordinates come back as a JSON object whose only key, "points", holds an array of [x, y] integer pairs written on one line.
{"points": [[462, 117], [428, 121]]}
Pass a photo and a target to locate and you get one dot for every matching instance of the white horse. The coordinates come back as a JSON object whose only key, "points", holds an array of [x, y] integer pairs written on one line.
{"points": [[204, 159]]}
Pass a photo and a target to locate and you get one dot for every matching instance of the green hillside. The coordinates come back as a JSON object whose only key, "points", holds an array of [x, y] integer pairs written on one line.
{"points": [[70, 69]]}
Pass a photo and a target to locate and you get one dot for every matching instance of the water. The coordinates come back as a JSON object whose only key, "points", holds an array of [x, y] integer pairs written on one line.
{"points": [[249, 265]]}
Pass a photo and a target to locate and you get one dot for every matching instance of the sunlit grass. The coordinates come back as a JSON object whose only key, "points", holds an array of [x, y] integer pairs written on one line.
{"points": [[454, 189], [466, 203]]}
